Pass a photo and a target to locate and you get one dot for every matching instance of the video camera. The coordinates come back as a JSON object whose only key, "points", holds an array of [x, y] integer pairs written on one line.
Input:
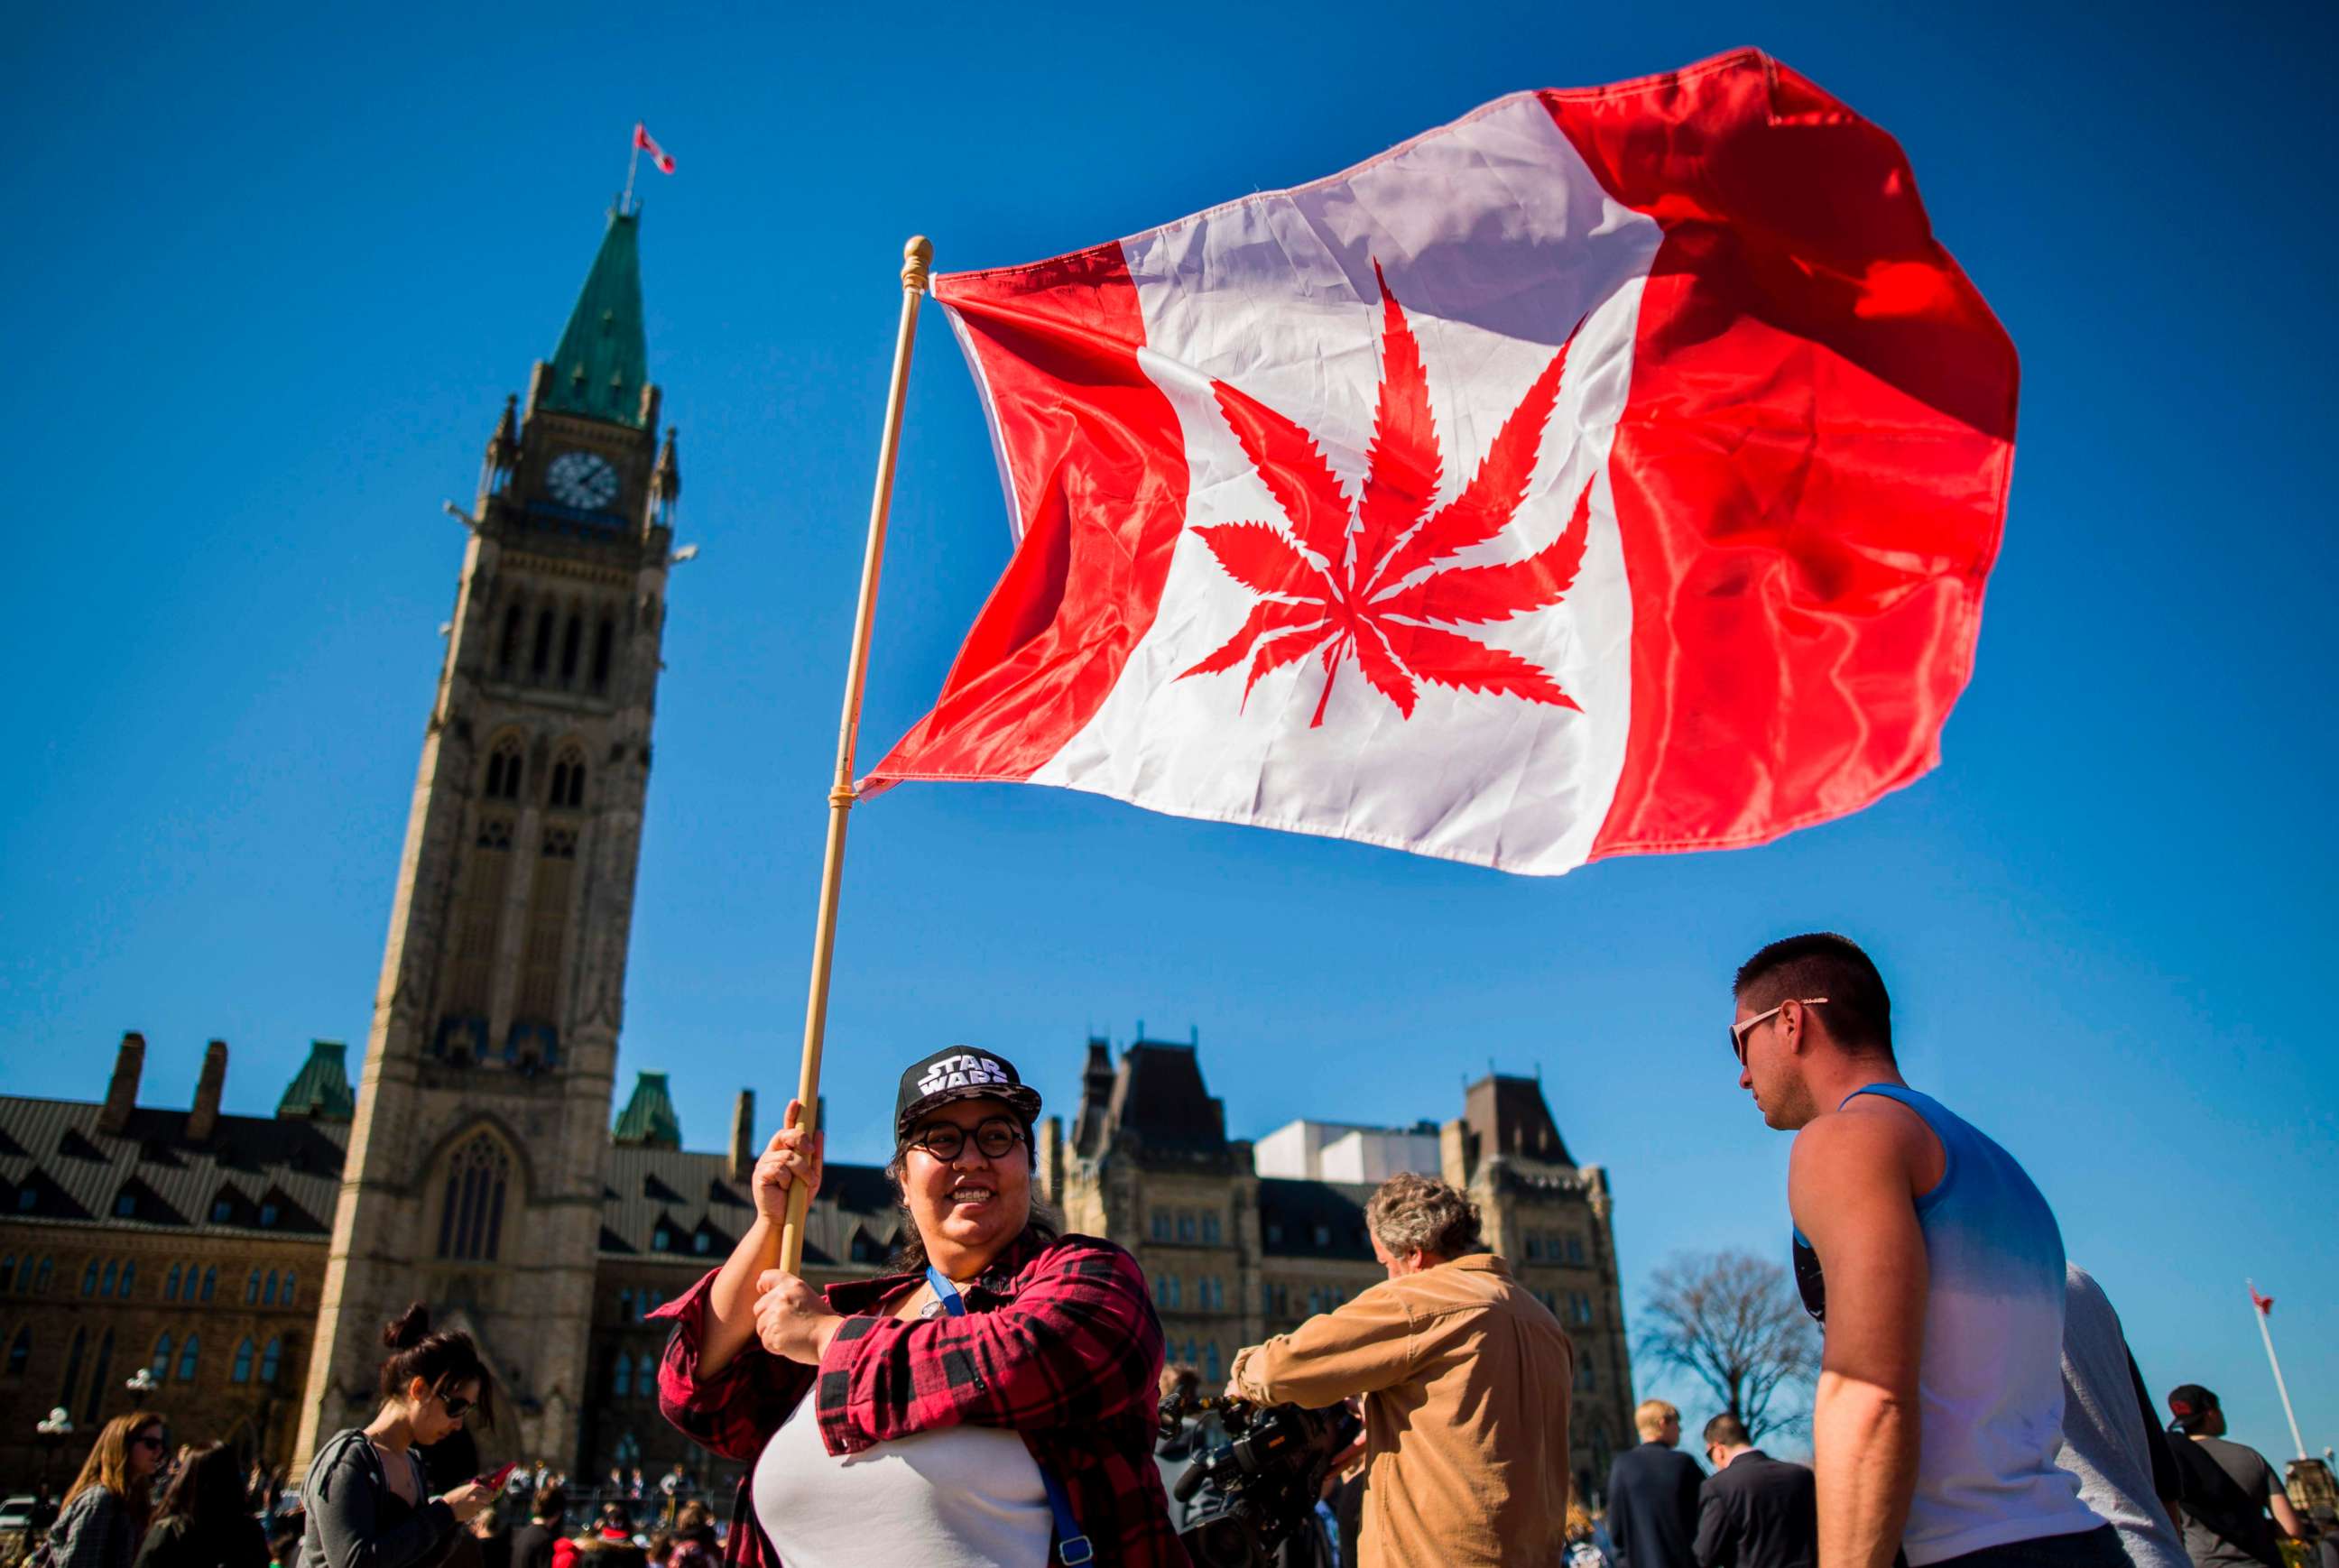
{"points": [[1251, 1501]]}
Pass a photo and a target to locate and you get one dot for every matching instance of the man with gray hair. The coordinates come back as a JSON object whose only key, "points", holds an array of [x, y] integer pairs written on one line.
{"points": [[1464, 1377]]}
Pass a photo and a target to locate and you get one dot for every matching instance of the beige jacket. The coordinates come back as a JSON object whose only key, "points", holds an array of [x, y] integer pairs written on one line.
{"points": [[1465, 1379]]}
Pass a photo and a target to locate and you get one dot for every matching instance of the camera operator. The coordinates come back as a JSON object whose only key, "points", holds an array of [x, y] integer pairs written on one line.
{"points": [[1465, 1379]]}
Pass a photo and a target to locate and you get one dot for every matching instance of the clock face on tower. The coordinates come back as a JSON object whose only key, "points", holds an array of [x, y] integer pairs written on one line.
{"points": [[582, 480]]}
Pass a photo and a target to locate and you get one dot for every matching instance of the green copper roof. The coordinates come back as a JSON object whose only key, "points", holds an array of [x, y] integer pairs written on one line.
{"points": [[320, 1090], [603, 357], [648, 1119]]}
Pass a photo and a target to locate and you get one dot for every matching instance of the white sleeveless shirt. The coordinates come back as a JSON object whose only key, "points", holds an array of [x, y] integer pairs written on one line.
{"points": [[963, 1497], [1989, 1384]]}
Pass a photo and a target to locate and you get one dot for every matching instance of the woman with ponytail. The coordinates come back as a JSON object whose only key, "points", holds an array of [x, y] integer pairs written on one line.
{"points": [[104, 1514], [366, 1501]]}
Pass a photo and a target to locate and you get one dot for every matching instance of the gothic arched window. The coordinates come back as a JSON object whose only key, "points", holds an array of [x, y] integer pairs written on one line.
{"points": [[189, 1358], [621, 1377], [270, 1359], [161, 1366], [8, 1270], [292, 1278], [210, 1278], [540, 659], [241, 1371], [568, 780], [507, 649], [572, 644], [268, 1291], [129, 1275], [20, 1351], [72, 1366], [105, 1286], [252, 1290], [89, 1278], [505, 766], [97, 1377], [42, 1283], [471, 1214], [604, 643]]}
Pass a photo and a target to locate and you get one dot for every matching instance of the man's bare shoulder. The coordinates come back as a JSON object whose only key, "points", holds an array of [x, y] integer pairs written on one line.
{"points": [[1870, 1127], [1872, 1139]]}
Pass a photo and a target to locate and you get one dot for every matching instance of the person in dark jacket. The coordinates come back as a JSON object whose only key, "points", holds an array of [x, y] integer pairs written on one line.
{"points": [[206, 1520], [1653, 1494], [531, 1544], [368, 1501], [1753, 1510]]}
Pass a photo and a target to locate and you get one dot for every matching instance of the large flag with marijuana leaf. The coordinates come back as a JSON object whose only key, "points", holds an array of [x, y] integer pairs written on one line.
{"points": [[1611, 471]]}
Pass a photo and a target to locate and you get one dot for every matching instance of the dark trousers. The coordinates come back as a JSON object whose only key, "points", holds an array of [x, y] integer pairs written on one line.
{"points": [[2097, 1548]]}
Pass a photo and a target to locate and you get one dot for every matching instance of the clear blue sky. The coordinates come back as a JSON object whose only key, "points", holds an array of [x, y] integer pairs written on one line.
{"points": [[274, 271]]}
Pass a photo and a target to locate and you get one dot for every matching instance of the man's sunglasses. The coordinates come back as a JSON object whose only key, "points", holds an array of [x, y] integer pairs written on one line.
{"points": [[944, 1139], [1739, 1031]]}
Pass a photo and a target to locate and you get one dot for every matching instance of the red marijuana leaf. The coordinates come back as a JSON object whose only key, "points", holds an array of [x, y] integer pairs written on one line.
{"points": [[1357, 582]]}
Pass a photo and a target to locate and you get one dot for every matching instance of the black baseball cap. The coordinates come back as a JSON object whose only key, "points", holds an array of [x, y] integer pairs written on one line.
{"points": [[2190, 1403], [957, 1072]]}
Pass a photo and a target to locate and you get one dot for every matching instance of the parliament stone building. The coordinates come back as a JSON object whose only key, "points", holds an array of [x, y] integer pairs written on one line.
{"points": [[233, 1271]]}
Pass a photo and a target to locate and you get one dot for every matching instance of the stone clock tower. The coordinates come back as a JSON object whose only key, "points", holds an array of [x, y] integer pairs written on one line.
{"points": [[477, 1164]]}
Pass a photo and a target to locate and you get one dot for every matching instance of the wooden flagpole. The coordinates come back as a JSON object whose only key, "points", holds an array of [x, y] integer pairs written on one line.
{"points": [[917, 259]]}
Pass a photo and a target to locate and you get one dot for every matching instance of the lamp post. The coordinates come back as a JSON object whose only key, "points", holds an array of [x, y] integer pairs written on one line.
{"points": [[142, 1382], [52, 1430]]}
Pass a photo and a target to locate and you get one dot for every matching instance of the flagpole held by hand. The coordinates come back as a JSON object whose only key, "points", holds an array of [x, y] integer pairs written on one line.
{"points": [[917, 259]]}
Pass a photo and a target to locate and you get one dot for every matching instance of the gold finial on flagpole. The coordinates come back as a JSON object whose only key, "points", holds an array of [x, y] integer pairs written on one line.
{"points": [[917, 258]]}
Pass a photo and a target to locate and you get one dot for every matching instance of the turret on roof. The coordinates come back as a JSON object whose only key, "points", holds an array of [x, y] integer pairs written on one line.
{"points": [[648, 1119], [320, 1090]]}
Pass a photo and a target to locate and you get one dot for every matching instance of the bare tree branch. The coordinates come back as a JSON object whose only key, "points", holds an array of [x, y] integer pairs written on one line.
{"points": [[1731, 1321]]}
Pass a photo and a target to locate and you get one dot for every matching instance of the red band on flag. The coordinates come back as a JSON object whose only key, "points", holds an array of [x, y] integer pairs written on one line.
{"points": [[1810, 474], [2265, 1303], [648, 144], [1077, 598]]}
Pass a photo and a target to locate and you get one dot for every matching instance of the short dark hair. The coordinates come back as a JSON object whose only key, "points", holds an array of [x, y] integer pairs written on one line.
{"points": [[1726, 1431], [1859, 1012]]}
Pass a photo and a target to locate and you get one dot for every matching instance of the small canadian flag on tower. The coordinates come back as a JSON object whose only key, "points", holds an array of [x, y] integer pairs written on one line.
{"points": [[645, 142]]}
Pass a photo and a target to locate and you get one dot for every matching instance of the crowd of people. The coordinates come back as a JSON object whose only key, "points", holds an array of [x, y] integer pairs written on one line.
{"points": [[1001, 1399]]}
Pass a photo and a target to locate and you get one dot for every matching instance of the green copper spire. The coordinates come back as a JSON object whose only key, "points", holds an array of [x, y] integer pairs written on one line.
{"points": [[320, 1090], [604, 355], [648, 1119]]}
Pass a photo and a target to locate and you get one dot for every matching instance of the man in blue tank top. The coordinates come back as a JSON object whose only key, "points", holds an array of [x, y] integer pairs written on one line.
{"points": [[1936, 1271]]}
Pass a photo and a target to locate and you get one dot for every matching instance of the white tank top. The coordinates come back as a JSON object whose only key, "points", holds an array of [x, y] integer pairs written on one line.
{"points": [[1989, 1385], [963, 1497]]}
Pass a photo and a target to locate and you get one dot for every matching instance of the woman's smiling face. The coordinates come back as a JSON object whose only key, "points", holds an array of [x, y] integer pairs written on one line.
{"points": [[971, 1204]]}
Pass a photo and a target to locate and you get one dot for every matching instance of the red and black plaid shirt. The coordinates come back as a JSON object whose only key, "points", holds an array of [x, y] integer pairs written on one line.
{"points": [[1060, 1345]]}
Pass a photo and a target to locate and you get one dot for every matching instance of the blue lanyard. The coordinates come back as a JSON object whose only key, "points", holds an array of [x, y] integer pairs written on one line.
{"points": [[1072, 1548]]}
